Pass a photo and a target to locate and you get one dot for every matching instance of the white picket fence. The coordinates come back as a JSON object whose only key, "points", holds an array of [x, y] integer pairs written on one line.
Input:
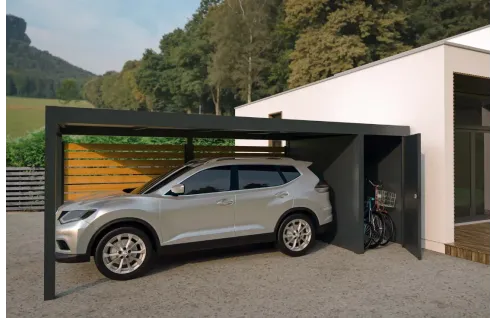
{"points": [[25, 189]]}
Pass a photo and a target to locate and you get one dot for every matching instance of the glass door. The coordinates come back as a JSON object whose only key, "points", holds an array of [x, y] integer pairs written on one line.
{"points": [[481, 170], [463, 180], [471, 175]]}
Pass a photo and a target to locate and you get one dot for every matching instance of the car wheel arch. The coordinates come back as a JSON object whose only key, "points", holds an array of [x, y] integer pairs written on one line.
{"points": [[303, 210], [127, 221]]}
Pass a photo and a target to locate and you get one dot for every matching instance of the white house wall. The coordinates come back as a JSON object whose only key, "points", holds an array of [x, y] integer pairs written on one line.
{"points": [[408, 91]]}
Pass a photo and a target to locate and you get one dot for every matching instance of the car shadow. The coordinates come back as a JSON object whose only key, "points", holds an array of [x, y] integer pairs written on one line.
{"points": [[168, 262]]}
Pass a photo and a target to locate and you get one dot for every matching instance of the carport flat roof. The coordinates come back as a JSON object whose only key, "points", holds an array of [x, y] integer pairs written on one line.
{"points": [[88, 121]]}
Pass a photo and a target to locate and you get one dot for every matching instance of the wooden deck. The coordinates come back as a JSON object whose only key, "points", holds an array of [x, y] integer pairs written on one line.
{"points": [[471, 242]]}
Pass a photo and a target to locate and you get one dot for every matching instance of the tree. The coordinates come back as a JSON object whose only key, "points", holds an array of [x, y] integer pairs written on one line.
{"points": [[117, 90], [283, 38], [92, 92], [162, 75], [434, 20], [342, 35], [240, 34], [68, 91]]}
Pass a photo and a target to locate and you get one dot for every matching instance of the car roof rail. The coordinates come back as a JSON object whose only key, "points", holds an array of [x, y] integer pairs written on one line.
{"points": [[195, 161], [248, 158]]}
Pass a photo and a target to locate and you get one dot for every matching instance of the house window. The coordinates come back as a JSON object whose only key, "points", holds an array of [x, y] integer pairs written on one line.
{"points": [[275, 143]]}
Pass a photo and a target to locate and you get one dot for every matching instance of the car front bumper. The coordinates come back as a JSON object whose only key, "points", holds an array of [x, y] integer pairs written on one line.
{"points": [[71, 242], [71, 258]]}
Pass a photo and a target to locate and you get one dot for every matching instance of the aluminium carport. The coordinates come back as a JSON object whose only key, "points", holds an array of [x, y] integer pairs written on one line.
{"points": [[344, 155]]}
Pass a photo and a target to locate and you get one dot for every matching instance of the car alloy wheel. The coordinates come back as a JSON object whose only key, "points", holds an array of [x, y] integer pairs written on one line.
{"points": [[124, 253], [297, 235]]}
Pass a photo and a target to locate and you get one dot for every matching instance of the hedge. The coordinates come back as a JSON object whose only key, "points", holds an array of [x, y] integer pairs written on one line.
{"points": [[29, 151]]}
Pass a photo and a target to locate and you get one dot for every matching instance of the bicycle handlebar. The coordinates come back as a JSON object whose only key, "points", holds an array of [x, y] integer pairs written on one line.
{"points": [[374, 185]]}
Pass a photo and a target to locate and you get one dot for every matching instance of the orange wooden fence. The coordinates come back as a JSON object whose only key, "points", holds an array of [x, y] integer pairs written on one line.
{"points": [[90, 168]]}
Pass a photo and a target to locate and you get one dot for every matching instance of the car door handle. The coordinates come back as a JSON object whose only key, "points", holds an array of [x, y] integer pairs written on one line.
{"points": [[282, 194], [225, 202]]}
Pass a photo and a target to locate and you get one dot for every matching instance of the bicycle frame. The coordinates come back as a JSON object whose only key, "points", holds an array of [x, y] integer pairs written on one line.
{"points": [[369, 207], [378, 206]]}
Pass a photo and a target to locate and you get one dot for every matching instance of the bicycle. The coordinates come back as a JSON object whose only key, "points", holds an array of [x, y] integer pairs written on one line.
{"points": [[382, 200], [373, 225]]}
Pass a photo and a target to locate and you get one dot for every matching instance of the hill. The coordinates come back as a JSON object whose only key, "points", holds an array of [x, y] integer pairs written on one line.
{"points": [[32, 72]]}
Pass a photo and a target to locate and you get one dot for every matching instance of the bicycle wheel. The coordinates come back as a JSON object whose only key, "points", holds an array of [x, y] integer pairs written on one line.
{"points": [[367, 234], [389, 230], [377, 228]]}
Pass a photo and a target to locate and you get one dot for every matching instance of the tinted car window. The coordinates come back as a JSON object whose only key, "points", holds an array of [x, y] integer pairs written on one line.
{"points": [[216, 179], [289, 172], [258, 176]]}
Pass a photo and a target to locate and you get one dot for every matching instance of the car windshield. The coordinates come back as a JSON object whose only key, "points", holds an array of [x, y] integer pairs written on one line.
{"points": [[165, 178], [150, 184]]}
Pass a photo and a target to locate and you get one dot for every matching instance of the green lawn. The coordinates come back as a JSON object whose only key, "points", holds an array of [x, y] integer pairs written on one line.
{"points": [[28, 114]]}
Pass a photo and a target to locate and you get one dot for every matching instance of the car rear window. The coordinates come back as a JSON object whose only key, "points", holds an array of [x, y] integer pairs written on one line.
{"points": [[289, 172], [258, 176]]}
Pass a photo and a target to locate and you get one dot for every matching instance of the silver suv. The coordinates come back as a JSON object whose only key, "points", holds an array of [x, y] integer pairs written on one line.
{"points": [[201, 205]]}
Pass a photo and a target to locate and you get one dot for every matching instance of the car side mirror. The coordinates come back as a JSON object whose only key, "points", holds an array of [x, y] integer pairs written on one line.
{"points": [[177, 189], [128, 190]]}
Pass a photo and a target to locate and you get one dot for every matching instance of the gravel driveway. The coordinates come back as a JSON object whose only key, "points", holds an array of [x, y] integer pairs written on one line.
{"points": [[255, 282]]}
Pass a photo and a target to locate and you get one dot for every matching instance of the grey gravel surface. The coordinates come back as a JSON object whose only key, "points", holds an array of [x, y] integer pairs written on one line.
{"points": [[253, 282]]}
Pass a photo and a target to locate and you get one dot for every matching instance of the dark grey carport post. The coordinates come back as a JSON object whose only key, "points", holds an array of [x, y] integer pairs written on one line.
{"points": [[54, 192]]}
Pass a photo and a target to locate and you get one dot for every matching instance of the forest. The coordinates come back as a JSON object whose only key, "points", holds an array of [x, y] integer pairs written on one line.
{"points": [[233, 52], [32, 72]]}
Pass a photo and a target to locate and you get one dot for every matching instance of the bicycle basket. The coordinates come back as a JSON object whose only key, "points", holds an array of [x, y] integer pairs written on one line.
{"points": [[385, 198]]}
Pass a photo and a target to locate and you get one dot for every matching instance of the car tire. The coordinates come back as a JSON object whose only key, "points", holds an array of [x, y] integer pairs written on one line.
{"points": [[117, 259], [287, 234]]}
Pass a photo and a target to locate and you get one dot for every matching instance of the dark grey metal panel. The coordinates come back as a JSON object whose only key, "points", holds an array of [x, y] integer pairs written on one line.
{"points": [[339, 161], [93, 118], [412, 216], [383, 162], [189, 152], [53, 149]]}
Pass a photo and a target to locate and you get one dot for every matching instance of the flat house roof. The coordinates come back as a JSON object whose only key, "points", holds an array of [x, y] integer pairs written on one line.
{"points": [[88, 121]]}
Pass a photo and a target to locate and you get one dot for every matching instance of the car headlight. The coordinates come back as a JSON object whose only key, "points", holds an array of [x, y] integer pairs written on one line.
{"points": [[75, 215]]}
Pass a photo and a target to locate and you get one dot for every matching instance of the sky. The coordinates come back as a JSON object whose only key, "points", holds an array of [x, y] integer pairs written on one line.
{"points": [[100, 35]]}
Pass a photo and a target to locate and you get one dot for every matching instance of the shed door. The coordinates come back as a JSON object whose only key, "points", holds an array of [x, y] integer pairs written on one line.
{"points": [[412, 216]]}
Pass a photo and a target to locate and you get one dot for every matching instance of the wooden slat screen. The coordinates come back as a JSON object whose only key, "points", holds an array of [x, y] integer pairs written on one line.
{"points": [[90, 168], [25, 189]]}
